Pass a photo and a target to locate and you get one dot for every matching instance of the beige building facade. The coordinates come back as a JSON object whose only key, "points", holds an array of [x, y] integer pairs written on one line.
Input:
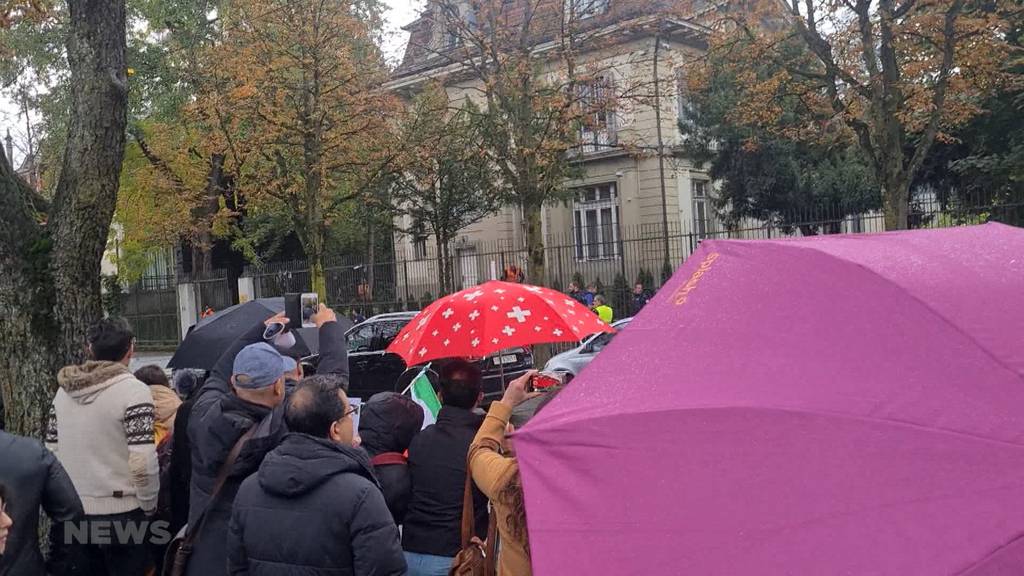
{"points": [[630, 201]]}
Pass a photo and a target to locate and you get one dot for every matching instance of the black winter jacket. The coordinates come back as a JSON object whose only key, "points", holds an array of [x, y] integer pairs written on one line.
{"points": [[387, 424], [437, 466], [218, 419], [314, 507], [35, 479]]}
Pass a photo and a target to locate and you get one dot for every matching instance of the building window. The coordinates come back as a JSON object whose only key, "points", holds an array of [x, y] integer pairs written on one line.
{"points": [[583, 9], [684, 105], [596, 222], [597, 103], [419, 240], [702, 214], [456, 18], [452, 40]]}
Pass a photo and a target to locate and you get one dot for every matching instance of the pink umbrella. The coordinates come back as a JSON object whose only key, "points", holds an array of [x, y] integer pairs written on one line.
{"points": [[839, 405]]}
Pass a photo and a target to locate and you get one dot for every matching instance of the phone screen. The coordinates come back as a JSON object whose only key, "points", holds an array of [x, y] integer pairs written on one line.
{"points": [[310, 303]]}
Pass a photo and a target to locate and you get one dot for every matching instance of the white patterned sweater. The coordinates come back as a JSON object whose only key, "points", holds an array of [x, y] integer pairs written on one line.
{"points": [[101, 429]]}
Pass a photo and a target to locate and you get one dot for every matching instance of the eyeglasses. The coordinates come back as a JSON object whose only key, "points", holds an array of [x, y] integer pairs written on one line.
{"points": [[352, 410]]}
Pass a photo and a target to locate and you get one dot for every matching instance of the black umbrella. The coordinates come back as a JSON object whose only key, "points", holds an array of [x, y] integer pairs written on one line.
{"points": [[213, 335]]}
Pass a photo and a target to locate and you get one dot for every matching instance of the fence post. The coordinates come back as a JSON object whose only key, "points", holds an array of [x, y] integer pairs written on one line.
{"points": [[187, 308], [246, 289]]}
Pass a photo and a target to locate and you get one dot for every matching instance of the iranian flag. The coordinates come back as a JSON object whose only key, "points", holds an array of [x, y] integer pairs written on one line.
{"points": [[424, 395]]}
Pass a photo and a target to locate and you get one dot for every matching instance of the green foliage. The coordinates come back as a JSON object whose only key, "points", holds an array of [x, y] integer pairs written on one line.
{"points": [[620, 294], [646, 278], [112, 295], [577, 279], [666, 272], [765, 176]]}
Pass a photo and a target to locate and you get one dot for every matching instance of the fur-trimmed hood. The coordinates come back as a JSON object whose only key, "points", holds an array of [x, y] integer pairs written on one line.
{"points": [[84, 382]]}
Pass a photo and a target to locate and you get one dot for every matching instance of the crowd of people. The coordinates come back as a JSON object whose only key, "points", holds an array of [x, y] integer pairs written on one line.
{"points": [[593, 299], [258, 468]]}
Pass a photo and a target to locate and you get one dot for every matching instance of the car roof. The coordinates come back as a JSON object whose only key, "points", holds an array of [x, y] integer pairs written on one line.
{"points": [[390, 316]]}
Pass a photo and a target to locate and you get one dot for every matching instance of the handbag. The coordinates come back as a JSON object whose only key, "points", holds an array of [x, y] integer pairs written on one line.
{"points": [[180, 548], [474, 560]]}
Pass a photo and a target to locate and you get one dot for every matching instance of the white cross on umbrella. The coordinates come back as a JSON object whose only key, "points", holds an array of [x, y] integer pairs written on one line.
{"points": [[448, 313], [473, 295], [509, 331], [519, 314]]}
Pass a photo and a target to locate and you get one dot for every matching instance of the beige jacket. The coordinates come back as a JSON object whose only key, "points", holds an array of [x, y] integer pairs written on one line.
{"points": [[492, 472], [166, 403]]}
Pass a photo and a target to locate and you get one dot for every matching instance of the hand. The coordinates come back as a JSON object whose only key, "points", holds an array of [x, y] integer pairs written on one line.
{"points": [[279, 318], [516, 392], [324, 315]]}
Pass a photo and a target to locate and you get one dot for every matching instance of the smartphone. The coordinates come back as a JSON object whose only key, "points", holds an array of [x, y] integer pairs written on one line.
{"points": [[545, 380], [273, 330], [310, 304]]}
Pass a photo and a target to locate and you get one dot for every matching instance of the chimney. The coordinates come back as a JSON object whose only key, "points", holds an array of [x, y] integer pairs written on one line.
{"points": [[10, 148]]}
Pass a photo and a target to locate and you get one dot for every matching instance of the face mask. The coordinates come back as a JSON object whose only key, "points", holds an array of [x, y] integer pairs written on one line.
{"points": [[284, 341]]}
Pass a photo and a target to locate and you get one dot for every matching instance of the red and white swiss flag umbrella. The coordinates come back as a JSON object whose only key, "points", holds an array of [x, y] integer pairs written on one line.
{"points": [[492, 317]]}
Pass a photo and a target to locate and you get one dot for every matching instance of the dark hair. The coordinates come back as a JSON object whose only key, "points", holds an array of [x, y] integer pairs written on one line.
{"points": [[461, 384], [152, 375], [315, 405], [109, 339]]}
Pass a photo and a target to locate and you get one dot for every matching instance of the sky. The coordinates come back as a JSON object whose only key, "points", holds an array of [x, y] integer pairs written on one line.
{"points": [[400, 13]]}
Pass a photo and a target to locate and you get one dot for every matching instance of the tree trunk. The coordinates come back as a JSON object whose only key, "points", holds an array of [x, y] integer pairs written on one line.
{"points": [[315, 253], [896, 201], [50, 278], [27, 328], [537, 273], [442, 275], [202, 253], [371, 259], [535, 246]]}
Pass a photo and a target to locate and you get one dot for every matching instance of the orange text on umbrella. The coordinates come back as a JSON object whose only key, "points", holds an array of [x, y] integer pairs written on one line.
{"points": [[683, 293]]}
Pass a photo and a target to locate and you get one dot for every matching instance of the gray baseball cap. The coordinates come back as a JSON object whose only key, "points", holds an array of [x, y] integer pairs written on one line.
{"points": [[260, 365]]}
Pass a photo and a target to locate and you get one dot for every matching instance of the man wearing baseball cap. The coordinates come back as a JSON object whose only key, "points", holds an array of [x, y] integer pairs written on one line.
{"points": [[226, 409]]}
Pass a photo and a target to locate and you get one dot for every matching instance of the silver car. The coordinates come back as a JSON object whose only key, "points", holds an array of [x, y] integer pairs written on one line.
{"points": [[574, 361]]}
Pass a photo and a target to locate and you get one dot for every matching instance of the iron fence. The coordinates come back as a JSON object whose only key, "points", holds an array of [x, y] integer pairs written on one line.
{"points": [[151, 308], [610, 259], [214, 290]]}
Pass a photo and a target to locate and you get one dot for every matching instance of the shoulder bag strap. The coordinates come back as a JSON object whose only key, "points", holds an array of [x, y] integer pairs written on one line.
{"points": [[468, 514], [491, 548], [222, 477]]}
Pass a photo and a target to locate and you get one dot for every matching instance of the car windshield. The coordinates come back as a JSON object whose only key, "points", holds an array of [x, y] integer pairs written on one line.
{"points": [[360, 339]]}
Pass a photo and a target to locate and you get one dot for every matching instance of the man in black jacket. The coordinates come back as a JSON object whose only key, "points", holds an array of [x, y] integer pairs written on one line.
{"points": [[35, 478], [223, 412], [437, 465], [315, 506]]}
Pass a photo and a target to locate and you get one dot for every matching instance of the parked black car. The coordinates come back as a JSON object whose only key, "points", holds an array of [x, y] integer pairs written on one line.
{"points": [[374, 370]]}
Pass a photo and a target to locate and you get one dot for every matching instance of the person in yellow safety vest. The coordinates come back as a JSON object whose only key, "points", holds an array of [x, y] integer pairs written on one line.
{"points": [[603, 310]]}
